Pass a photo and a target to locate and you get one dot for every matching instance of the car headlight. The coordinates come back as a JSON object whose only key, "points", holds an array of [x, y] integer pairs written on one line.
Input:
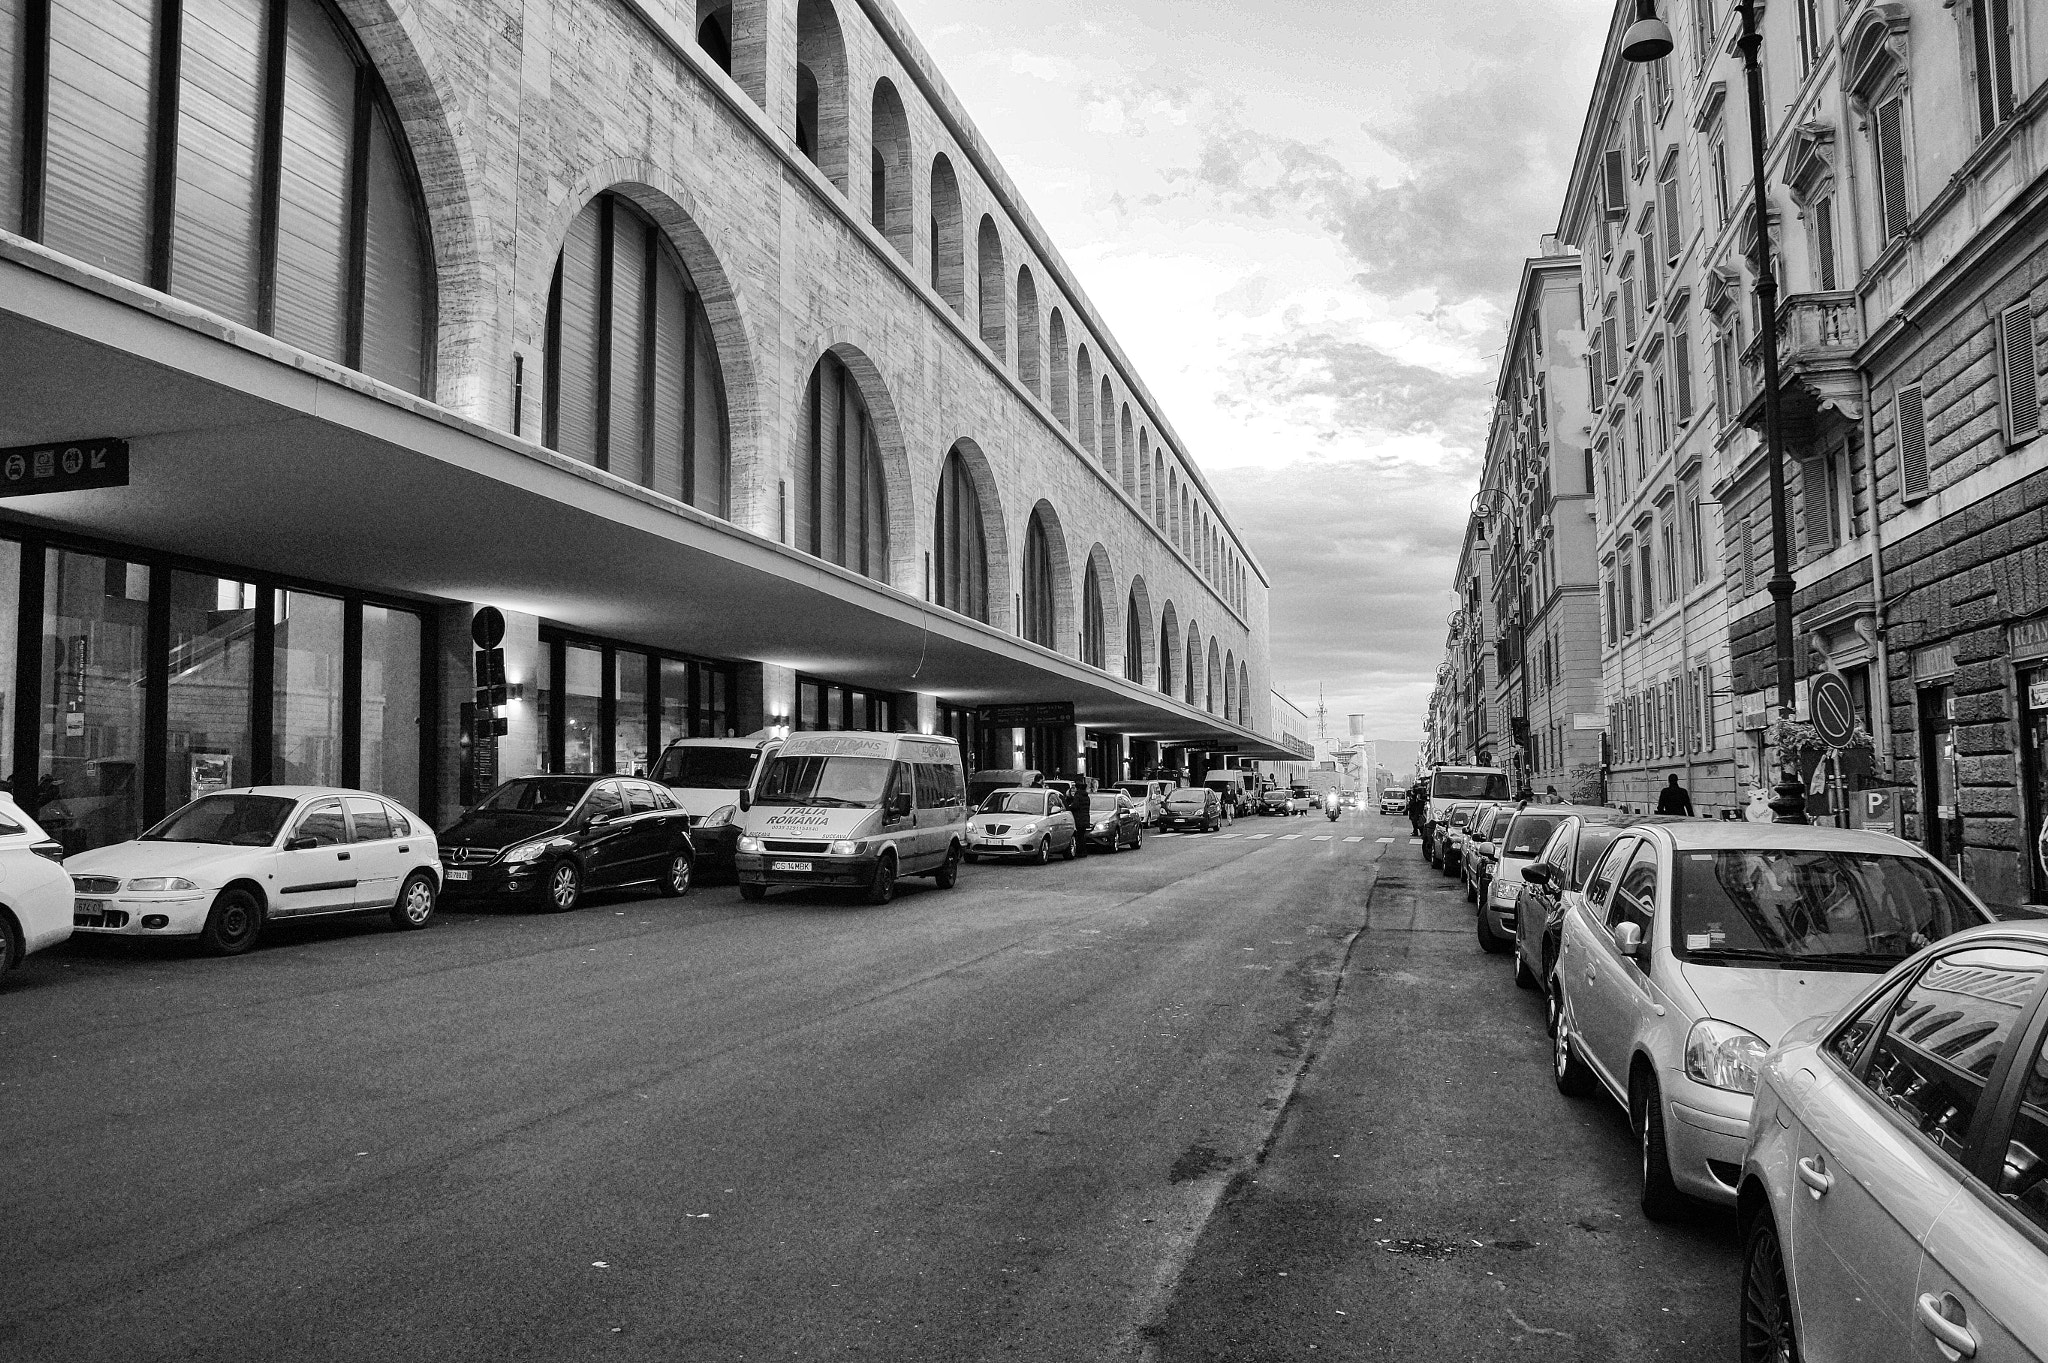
{"points": [[527, 851], [1102, 827], [844, 848], [748, 843], [1027, 829], [159, 883], [1724, 1056], [1504, 891], [718, 817]]}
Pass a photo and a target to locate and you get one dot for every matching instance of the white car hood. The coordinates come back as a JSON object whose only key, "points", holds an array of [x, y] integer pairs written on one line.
{"points": [[207, 863], [1770, 1002]]}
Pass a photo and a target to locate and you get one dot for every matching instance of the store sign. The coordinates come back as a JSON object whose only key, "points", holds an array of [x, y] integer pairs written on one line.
{"points": [[27, 470], [1024, 716], [2028, 639]]}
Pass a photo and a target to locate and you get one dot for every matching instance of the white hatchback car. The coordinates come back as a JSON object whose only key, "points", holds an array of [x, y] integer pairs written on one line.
{"points": [[227, 863], [35, 894]]}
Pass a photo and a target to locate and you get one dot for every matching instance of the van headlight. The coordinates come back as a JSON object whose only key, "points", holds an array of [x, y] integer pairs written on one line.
{"points": [[1724, 1056], [158, 884], [527, 851], [718, 817], [748, 843], [844, 848]]}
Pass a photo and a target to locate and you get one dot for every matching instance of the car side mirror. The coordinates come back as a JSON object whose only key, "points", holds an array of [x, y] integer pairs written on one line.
{"points": [[1628, 940], [301, 844], [1538, 874], [746, 800], [596, 820]]}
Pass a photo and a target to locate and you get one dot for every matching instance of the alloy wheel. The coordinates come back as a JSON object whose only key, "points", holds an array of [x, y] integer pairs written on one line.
{"points": [[564, 887], [677, 882], [418, 905], [1767, 1333]]}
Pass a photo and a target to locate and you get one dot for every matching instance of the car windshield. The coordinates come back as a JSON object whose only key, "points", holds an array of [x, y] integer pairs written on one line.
{"points": [[549, 796], [707, 768], [1795, 905], [235, 820], [1469, 785], [1015, 802], [1135, 789], [1528, 833], [1460, 816], [854, 782], [1188, 795]]}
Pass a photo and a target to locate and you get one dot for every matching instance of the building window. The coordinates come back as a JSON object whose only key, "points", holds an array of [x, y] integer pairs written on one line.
{"points": [[820, 130], [633, 380], [246, 160], [1695, 534], [714, 36], [1094, 638], [1041, 587], [960, 551], [1991, 46], [1625, 557], [948, 249], [889, 168], [1168, 642], [834, 706], [842, 503], [1717, 161], [1888, 146], [1667, 534], [992, 302], [1681, 374], [1824, 242], [1134, 638], [1644, 556], [1807, 15], [2019, 367]]}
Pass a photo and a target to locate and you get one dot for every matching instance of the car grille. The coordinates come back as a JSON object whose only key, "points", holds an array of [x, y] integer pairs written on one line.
{"points": [[993, 830], [110, 918], [775, 845], [468, 856], [96, 884]]}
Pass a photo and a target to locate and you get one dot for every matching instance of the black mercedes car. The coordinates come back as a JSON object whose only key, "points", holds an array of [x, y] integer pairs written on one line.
{"points": [[550, 838]]}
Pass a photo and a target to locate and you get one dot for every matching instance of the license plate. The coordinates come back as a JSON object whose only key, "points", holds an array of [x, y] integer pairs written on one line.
{"points": [[458, 875], [789, 866], [92, 906], [988, 842]]}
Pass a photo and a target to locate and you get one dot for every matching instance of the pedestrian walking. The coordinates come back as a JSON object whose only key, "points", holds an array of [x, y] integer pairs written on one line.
{"points": [[1674, 798], [1418, 808]]}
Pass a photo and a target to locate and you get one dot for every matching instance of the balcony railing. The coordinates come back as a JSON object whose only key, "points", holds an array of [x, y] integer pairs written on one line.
{"points": [[1818, 335]]}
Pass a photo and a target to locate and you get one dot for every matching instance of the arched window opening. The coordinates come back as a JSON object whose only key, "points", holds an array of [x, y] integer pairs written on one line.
{"points": [[1144, 470], [714, 32], [1027, 332], [842, 502], [1084, 386], [1169, 645], [1244, 695], [246, 160], [1191, 673], [1108, 414], [948, 273], [821, 89], [889, 168], [1212, 692], [1094, 642], [1127, 468], [1230, 685], [1187, 524], [1041, 588], [993, 305], [960, 549], [1173, 505], [632, 379], [1056, 363], [1134, 638]]}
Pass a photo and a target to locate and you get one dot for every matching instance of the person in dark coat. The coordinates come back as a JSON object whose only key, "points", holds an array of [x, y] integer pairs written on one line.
{"points": [[1418, 807], [1674, 798]]}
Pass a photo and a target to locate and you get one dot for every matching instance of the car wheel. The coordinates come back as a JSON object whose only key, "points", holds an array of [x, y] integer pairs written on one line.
{"points": [[949, 871], [10, 948], [1661, 1200], [233, 924], [415, 906], [753, 894], [1491, 942], [1471, 891], [1137, 839], [1766, 1332], [1567, 1071], [882, 888], [1044, 852], [564, 888], [681, 869], [1076, 848]]}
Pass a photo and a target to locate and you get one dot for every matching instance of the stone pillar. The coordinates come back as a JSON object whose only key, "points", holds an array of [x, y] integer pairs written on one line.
{"points": [[767, 696]]}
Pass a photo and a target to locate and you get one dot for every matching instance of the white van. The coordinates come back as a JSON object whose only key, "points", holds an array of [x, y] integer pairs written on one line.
{"points": [[706, 776], [857, 810]]}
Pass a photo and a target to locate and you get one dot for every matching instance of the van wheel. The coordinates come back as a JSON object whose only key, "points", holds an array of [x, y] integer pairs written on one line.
{"points": [[882, 888], [949, 873]]}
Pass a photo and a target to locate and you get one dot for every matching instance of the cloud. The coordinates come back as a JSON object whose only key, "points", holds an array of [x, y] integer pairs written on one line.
{"points": [[1354, 388]]}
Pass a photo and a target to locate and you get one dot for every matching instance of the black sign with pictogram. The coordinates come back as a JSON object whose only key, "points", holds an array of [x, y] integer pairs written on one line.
{"points": [[1832, 709], [30, 469]]}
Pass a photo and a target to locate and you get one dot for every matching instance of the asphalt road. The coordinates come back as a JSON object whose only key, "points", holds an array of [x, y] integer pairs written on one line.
{"points": [[1141, 1106]]}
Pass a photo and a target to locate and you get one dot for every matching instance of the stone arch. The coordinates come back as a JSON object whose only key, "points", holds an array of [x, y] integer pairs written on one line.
{"points": [[995, 526], [948, 265], [1244, 695], [992, 305], [1028, 359], [1084, 388], [1230, 684], [1193, 673], [820, 126], [1172, 526], [1169, 647], [1144, 469], [1096, 609], [1047, 607], [889, 167], [1140, 644], [901, 506], [1211, 696], [1107, 414], [1056, 362], [673, 207], [1127, 467], [714, 32]]}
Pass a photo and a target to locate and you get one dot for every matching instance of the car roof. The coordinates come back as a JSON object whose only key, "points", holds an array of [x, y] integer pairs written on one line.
{"points": [[1711, 834], [295, 792]]}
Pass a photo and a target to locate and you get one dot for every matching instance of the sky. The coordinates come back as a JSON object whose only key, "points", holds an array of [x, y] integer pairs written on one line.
{"points": [[1303, 221]]}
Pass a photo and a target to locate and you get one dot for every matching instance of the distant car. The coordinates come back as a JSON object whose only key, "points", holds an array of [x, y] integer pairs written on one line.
{"points": [[1148, 796], [35, 893], [1894, 1190], [1394, 802], [1023, 824], [1447, 844], [226, 864], [1275, 800], [1518, 839], [1696, 947], [1549, 880], [1109, 821], [1300, 799], [1475, 863], [1196, 807], [706, 777], [548, 839]]}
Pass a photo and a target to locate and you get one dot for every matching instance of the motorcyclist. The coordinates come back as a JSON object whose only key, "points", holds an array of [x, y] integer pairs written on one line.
{"points": [[1331, 804]]}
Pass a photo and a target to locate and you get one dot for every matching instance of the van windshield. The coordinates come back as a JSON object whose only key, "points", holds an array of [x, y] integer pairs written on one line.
{"points": [[855, 782], [1469, 785], [706, 768]]}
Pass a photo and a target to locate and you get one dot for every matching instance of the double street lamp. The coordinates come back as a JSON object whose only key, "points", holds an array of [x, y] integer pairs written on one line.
{"points": [[1648, 39]]}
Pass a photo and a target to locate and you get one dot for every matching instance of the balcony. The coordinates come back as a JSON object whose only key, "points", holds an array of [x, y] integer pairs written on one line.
{"points": [[1818, 336]]}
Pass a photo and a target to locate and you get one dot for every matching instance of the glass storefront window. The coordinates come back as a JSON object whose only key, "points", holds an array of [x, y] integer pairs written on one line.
{"points": [[212, 671], [675, 701], [10, 628], [306, 699], [95, 630], [391, 705], [810, 708], [544, 704], [629, 712], [582, 707], [714, 702]]}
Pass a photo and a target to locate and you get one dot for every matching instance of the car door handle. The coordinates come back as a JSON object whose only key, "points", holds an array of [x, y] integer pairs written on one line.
{"points": [[1955, 1338], [403, 848], [341, 856], [1813, 1173]]}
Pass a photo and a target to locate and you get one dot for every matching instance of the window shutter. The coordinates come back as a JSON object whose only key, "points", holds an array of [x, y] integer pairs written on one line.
{"points": [[1681, 370], [396, 285], [1891, 164], [1824, 241], [1671, 234], [2001, 55], [1910, 417], [1816, 523], [102, 88], [313, 195], [1614, 166], [1611, 346], [220, 108], [2022, 401]]}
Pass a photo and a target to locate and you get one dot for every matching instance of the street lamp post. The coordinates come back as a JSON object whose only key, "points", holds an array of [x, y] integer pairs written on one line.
{"points": [[1647, 40], [1489, 504]]}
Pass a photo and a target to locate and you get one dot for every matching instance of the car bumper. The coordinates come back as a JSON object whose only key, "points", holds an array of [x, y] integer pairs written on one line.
{"points": [[174, 915], [1108, 837], [1171, 821], [1706, 1131], [714, 846], [496, 880], [760, 868]]}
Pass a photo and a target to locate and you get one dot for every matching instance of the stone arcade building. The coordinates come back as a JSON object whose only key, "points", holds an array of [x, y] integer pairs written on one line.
{"points": [[709, 343]]}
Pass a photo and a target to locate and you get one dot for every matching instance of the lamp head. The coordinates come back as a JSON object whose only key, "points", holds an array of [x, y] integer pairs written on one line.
{"points": [[1648, 38]]}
